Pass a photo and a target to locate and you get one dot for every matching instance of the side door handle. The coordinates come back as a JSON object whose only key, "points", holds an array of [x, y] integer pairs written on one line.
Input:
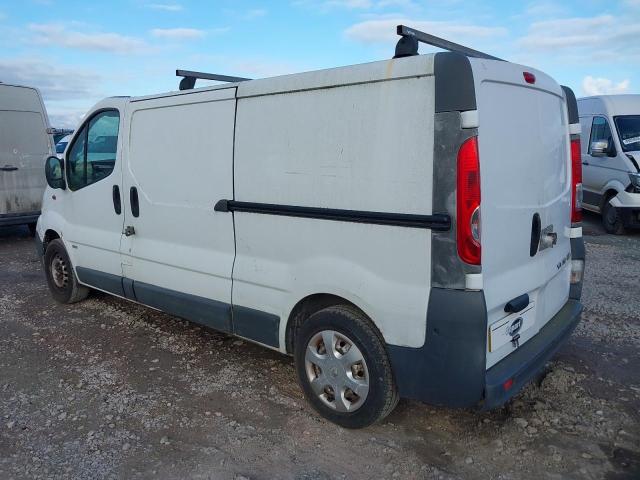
{"points": [[117, 203], [8, 168], [585, 163], [133, 198], [129, 230]]}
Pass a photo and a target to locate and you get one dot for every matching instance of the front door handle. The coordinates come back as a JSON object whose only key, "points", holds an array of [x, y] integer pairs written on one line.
{"points": [[117, 204], [135, 206], [129, 230], [8, 168]]}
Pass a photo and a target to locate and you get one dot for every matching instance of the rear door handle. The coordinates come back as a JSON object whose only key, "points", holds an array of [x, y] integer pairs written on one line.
{"points": [[135, 206], [129, 230], [117, 204], [585, 163], [8, 168]]}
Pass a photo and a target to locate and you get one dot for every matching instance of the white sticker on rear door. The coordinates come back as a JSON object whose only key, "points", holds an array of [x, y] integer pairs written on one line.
{"points": [[629, 141]]}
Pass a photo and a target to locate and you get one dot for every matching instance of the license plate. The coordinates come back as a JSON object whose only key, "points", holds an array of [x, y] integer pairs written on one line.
{"points": [[508, 330]]}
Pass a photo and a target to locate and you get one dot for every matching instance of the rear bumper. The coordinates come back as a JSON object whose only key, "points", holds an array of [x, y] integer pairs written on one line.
{"points": [[523, 364], [8, 219]]}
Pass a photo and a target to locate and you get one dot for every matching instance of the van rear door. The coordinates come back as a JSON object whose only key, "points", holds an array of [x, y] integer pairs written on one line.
{"points": [[24, 144], [525, 166]]}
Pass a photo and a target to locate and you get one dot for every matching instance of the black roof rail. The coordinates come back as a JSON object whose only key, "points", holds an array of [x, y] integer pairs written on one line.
{"points": [[189, 80], [408, 44]]}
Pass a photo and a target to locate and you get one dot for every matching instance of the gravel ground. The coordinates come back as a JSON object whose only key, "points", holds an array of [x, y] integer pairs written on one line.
{"points": [[109, 389]]}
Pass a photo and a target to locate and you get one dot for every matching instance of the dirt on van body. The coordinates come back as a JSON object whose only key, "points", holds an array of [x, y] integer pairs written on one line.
{"points": [[109, 389]]}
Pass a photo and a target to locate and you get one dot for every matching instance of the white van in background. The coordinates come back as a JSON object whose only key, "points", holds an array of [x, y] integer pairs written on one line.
{"points": [[611, 159], [382, 223], [24, 144]]}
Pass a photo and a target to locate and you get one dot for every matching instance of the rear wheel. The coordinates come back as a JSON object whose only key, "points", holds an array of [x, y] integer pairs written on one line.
{"points": [[343, 367], [611, 219], [61, 279]]}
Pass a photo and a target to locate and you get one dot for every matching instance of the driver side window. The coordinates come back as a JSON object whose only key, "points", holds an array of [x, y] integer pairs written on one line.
{"points": [[92, 157]]}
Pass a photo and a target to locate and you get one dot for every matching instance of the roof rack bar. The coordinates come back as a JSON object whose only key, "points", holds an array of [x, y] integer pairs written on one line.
{"points": [[189, 80], [419, 36]]}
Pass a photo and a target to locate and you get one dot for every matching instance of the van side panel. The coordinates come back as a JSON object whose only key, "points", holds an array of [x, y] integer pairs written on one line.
{"points": [[365, 147], [179, 156]]}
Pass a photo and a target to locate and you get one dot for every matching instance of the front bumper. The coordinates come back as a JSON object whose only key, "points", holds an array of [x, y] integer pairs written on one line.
{"points": [[528, 360]]}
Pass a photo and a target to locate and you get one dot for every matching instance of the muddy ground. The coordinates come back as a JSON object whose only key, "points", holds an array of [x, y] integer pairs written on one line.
{"points": [[109, 389]]}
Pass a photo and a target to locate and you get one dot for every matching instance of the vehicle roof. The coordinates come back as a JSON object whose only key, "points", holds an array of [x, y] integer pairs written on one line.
{"points": [[20, 98], [626, 104], [419, 65]]}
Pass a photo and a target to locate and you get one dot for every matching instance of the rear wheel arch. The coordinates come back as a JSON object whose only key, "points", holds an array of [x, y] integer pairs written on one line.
{"points": [[311, 304]]}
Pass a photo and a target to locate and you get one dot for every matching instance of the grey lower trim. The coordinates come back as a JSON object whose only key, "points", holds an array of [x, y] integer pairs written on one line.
{"points": [[449, 369], [447, 270], [127, 288], [7, 219], [454, 85], [578, 252], [591, 198], [256, 325], [204, 311], [245, 322], [100, 280]]}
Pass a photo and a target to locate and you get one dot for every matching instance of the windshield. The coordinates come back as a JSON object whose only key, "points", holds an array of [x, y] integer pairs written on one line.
{"points": [[629, 131]]}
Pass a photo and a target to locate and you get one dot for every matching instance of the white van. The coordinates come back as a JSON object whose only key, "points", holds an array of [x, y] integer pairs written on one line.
{"points": [[24, 144], [611, 159], [382, 223]]}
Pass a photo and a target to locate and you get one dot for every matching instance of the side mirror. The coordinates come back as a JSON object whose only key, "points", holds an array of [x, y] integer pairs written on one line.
{"points": [[54, 172], [600, 148]]}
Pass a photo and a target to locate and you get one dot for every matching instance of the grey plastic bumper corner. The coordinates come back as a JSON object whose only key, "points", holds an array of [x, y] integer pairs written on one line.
{"points": [[577, 253], [528, 360]]}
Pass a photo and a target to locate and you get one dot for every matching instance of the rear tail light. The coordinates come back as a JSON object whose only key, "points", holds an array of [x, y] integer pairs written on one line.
{"points": [[468, 203], [529, 77], [576, 175]]}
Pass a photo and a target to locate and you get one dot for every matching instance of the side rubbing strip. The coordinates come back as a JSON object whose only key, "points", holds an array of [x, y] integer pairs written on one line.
{"points": [[440, 222]]}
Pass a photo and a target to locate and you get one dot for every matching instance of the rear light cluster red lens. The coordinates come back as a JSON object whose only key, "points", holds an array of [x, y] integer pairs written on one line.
{"points": [[576, 182], [529, 77], [468, 203]]}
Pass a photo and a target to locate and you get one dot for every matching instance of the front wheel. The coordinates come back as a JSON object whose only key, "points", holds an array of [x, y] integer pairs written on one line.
{"points": [[612, 220], [61, 279], [343, 367]]}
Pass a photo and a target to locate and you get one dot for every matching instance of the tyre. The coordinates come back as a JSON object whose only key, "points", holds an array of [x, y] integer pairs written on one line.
{"points": [[32, 229], [61, 278], [343, 368], [611, 219]]}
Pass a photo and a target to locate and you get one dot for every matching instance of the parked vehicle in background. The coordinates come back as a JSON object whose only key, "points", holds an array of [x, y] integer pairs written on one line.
{"points": [[60, 133], [611, 159], [61, 145], [381, 222], [24, 143]]}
